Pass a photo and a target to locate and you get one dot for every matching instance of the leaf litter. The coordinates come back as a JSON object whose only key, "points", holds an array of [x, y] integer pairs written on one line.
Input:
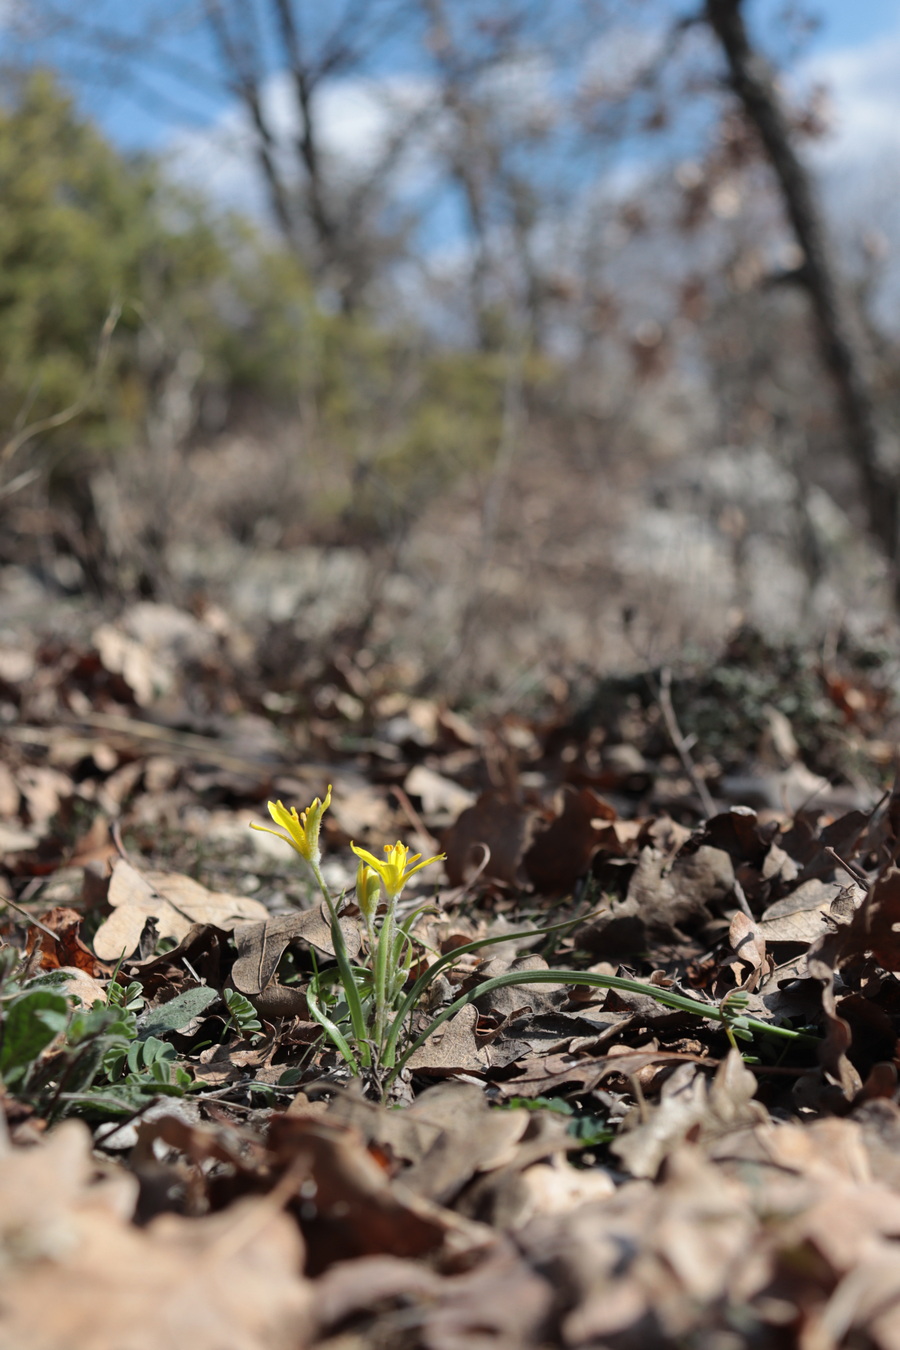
{"points": [[558, 1165]]}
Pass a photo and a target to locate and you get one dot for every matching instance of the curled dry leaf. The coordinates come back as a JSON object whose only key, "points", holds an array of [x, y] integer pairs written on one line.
{"points": [[174, 901], [691, 1105], [749, 946], [352, 1208], [262, 945], [66, 948], [496, 823]]}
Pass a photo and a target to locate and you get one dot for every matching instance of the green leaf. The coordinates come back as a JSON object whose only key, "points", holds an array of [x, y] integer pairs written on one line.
{"points": [[242, 1011], [177, 1013], [30, 1023]]}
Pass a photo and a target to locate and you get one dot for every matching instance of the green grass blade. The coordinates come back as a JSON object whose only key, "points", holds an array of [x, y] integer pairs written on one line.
{"points": [[333, 1032], [351, 991], [666, 997], [426, 978]]}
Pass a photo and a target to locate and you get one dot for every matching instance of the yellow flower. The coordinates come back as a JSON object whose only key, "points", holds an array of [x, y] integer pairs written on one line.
{"points": [[368, 889], [301, 832], [396, 871]]}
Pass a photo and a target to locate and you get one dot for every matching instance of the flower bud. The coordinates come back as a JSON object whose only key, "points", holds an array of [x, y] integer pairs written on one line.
{"points": [[368, 889]]}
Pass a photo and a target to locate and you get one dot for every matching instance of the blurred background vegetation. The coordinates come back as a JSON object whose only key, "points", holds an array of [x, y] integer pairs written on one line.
{"points": [[519, 308]]}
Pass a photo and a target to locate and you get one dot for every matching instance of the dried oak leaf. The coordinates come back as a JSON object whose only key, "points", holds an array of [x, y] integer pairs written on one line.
{"points": [[452, 1048], [801, 916], [561, 853], [875, 926], [262, 945], [496, 824], [446, 1137], [75, 1272], [174, 901], [67, 947], [644, 1266], [660, 899], [351, 1207], [502, 1304], [691, 1105]]}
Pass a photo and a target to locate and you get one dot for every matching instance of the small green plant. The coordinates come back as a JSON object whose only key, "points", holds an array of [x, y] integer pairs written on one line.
{"points": [[241, 1013], [365, 1009], [63, 1057], [587, 1130], [359, 999]]}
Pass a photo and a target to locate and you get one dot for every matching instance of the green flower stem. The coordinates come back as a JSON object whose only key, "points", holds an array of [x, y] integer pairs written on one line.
{"points": [[668, 999], [383, 952], [348, 980]]}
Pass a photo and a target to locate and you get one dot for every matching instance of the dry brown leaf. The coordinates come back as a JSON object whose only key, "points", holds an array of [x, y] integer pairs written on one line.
{"points": [[44, 791], [833, 1050], [468, 1138], [453, 1048], [439, 796], [495, 823], [174, 901], [800, 916], [691, 1105], [262, 945], [561, 852], [76, 1273], [144, 674], [875, 927], [67, 947], [499, 1305], [749, 945], [353, 1208]]}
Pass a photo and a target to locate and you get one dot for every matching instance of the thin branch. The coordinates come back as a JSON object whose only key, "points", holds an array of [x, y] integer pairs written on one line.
{"points": [[681, 743], [15, 443]]}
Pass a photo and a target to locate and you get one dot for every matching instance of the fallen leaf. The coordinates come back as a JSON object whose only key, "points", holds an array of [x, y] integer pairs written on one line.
{"points": [[452, 1048], [690, 1104], [174, 901], [495, 823], [561, 853], [66, 947], [352, 1208], [262, 945], [77, 1273]]}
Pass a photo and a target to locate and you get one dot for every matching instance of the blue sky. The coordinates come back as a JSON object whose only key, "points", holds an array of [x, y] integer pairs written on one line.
{"points": [[147, 119], [853, 22], [855, 53]]}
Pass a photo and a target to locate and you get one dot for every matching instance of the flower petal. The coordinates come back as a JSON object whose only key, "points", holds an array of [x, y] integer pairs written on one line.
{"points": [[438, 857], [369, 858]]}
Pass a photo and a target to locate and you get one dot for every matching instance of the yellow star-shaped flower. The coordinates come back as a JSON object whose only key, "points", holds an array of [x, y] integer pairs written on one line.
{"points": [[396, 870], [300, 831]]}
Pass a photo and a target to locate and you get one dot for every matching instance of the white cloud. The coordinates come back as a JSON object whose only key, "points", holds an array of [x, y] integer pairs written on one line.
{"points": [[357, 120], [864, 87], [858, 162]]}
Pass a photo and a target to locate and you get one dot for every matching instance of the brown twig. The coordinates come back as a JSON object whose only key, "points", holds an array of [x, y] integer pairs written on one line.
{"points": [[15, 442], [35, 923], [681, 744], [854, 872]]}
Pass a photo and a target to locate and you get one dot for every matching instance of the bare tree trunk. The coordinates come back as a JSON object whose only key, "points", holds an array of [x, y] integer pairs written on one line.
{"points": [[307, 140], [842, 351], [245, 83]]}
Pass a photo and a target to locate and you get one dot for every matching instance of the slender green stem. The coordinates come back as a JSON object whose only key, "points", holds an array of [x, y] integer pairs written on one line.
{"points": [[380, 975], [348, 980], [667, 997], [332, 1031]]}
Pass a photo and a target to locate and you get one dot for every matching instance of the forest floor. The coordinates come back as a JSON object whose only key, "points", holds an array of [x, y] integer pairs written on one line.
{"points": [[696, 1145]]}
